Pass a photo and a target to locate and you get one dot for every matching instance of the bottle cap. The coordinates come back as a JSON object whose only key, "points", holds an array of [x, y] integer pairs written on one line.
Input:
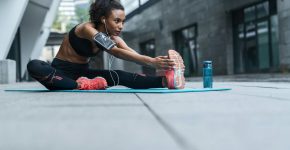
{"points": [[207, 63]]}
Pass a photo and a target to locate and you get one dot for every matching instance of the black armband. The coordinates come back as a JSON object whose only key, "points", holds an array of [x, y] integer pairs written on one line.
{"points": [[103, 41]]}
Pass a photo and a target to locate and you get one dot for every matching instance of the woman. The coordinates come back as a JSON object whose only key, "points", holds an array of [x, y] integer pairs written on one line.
{"points": [[69, 69]]}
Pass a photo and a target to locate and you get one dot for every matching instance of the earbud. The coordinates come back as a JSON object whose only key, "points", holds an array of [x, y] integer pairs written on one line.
{"points": [[104, 21]]}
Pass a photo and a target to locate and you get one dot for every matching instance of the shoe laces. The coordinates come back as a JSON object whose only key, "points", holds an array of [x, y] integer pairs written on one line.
{"points": [[92, 84]]}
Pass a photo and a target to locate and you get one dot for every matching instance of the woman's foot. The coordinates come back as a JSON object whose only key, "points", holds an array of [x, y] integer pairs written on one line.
{"points": [[175, 77], [97, 83]]}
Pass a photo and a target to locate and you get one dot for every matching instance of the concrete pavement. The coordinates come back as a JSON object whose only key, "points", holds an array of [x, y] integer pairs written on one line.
{"points": [[253, 115]]}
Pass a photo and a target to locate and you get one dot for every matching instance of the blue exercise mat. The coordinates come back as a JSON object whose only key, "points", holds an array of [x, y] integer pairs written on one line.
{"points": [[120, 90]]}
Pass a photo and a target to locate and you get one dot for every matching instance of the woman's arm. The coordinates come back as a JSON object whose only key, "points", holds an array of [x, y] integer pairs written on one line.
{"points": [[121, 43], [123, 51], [160, 62]]}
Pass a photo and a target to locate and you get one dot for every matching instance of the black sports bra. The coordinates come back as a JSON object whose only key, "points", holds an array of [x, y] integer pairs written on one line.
{"points": [[82, 47]]}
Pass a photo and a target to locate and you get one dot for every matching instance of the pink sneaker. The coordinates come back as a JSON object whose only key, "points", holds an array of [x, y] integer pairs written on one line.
{"points": [[175, 77], [97, 83]]}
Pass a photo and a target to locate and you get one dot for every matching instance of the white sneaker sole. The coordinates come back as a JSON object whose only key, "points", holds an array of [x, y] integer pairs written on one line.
{"points": [[179, 80]]}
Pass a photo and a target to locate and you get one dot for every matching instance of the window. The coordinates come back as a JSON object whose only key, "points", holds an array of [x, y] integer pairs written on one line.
{"points": [[185, 44], [255, 30], [148, 49], [263, 9], [133, 7]]}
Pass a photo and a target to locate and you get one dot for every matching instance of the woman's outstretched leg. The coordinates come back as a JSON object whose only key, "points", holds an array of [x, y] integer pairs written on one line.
{"points": [[131, 80], [50, 77]]}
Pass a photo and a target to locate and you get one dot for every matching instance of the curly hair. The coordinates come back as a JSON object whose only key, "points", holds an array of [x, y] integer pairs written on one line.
{"points": [[101, 8]]}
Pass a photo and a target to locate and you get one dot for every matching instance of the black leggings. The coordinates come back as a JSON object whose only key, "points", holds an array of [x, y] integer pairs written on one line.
{"points": [[62, 75]]}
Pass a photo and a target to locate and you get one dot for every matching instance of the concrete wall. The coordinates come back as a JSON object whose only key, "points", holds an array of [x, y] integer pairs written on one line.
{"points": [[45, 29], [7, 71], [284, 33], [214, 21], [137, 31], [31, 29], [167, 16], [11, 13]]}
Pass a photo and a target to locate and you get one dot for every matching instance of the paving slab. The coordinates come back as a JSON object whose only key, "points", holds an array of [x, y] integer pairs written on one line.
{"points": [[58, 121], [253, 115], [244, 118]]}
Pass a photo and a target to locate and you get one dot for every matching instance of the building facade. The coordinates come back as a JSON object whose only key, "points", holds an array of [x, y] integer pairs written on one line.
{"points": [[25, 27], [241, 36]]}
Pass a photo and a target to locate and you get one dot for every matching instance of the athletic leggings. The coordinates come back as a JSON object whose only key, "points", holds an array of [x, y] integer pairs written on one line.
{"points": [[62, 75]]}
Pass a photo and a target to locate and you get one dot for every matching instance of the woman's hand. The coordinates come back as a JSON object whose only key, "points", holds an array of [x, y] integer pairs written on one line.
{"points": [[163, 63]]}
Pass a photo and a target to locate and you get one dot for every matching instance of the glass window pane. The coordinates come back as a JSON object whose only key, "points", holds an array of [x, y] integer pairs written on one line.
{"points": [[250, 51], [263, 44], [241, 31], [191, 32], [150, 46], [148, 49], [239, 47], [250, 30], [191, 44], [186, 45], [263, 9], [249, 13], [273, 7], [251, 55], [185, 33], [275, 41]]}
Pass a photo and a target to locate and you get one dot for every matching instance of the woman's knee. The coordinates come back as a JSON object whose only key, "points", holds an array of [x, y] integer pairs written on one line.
{"points": [[32, 65], [35, 65]]}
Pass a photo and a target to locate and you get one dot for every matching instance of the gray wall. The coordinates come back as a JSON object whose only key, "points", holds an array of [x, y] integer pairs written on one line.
{"points": [[214, 21], [284, 33], [30, 29], [11, 13], [35, 28]]}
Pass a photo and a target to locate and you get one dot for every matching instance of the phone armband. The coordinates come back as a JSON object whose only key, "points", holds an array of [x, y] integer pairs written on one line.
{"points": [[103, 41]]}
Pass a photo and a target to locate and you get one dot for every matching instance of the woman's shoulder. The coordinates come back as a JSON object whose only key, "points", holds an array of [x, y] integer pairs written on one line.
{"points": [[88, 24], [85, 25], [85, 30]]}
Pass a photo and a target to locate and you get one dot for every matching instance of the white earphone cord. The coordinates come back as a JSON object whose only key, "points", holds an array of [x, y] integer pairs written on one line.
{"points": [[111, 59]]}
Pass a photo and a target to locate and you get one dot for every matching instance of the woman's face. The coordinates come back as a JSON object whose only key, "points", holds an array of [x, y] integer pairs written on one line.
{"points": [[115, 22]]}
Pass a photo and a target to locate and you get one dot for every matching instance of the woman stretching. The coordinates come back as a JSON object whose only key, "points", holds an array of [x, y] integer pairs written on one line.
{"points": [[70, 70]]}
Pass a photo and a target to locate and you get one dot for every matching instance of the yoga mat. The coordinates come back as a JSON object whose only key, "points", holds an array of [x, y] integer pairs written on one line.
{"points": [[120, 90]]}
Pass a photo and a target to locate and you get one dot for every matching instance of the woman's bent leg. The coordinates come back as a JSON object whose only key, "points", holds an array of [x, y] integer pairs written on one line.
{"points": [[131, 80], [49, 77]]}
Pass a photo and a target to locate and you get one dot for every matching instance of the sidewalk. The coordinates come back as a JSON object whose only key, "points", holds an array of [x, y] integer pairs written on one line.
{"points": [[252, 116], [274, 77]]}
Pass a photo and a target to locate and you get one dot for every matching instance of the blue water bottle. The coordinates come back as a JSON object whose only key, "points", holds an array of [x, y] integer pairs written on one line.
{"points": [[207, 74]]}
